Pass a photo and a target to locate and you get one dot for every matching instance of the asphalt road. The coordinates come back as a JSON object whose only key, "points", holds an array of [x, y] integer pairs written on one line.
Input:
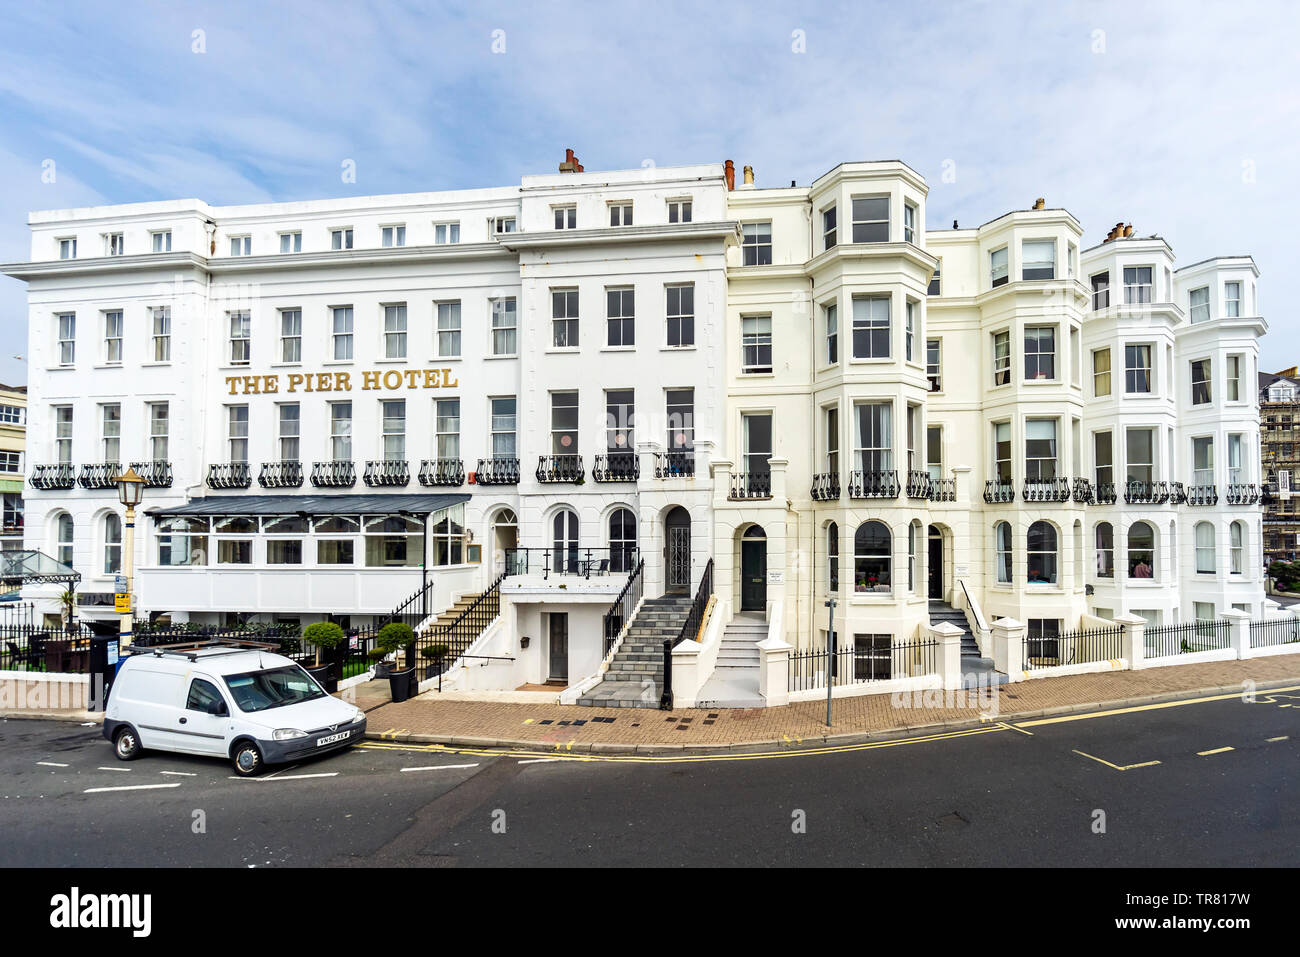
{"points": [[1158, 780]]}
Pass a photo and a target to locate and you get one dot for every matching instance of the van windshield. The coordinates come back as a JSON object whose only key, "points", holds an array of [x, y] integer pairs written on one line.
{"points": [[275, 688]]}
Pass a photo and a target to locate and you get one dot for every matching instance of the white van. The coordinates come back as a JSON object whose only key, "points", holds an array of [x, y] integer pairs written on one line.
{"points": [[234, 700]]}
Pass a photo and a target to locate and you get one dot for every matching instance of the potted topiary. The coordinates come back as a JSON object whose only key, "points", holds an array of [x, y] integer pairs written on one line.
{"points": [[392, 638], [324, 635], [435, 654]]}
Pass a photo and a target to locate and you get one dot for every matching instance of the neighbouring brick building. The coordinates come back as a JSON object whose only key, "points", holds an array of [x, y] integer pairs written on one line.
{"points": [[1279, 433]]}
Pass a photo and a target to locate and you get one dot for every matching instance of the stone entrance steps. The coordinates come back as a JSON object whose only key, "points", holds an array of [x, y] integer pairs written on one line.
{"points": [[975, 669], [636, 674], [734, 682]]}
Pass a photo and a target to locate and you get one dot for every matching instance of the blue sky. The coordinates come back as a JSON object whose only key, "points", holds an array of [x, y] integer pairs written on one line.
{"points": [[1180, 118]]}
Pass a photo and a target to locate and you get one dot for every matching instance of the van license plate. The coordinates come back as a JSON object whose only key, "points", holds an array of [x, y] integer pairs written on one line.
{"points": [[321, 742]]}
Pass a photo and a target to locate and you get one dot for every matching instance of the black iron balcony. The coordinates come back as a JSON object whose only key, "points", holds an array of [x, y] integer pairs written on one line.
{"points": [[1047, 490], [387, 473], [1243, 494], [47, 477], [998, 491], [336, 474], [566, 467], [680, 464], [230, 475], [943, 490], [616, 467], [826, 487], [749, 485], [918, 484], [497, 471], [442, 472], [1177, 493], [100, 475], [585, 562], [1203, 495], [1083, 493], [1106, 493], [280, 475], [881, 484], [156, 473], [1146, 493]]}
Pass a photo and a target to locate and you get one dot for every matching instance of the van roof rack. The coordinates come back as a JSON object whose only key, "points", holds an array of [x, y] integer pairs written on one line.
{"points": [[191, 649]]}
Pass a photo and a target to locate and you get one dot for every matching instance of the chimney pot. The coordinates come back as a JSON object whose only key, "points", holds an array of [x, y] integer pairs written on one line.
{"points": [[749, 176], [1128, 230], [729, 171], [1039, 203], [954, 224]]}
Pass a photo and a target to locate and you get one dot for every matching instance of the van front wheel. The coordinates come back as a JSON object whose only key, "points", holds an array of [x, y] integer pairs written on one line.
{"points": [[247, 759], [126, 744]]}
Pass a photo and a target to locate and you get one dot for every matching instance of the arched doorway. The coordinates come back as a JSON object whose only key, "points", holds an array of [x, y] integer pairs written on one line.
{"points": [[677, 552], [935, 562], [753, 570]]}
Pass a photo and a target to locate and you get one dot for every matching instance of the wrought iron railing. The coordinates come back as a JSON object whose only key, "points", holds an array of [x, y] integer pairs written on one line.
{"points": [[1243, 494], [882, 484], [335, 474], [690, 628], [440, 472], [1074, 647], [440, 645], [1047, 490], [918, 484], [1273, 632], [620, 612], [59, 476], [1106, 493], [100, 475], [497, 471], [229, 475], [1177, 493], [1162, 641], [1083, 493], [616, 467], [387, 473], [943, 490], [156, 473], [286, 474], [825, 487], [1146, 493], [584, 562], [566, 467], [999, 491], [1203, 495], [850, 664], [674, 464], [750, 485]]}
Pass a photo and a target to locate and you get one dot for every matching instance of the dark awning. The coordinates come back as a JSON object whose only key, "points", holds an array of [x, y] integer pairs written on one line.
{"points": [[250, 505]]}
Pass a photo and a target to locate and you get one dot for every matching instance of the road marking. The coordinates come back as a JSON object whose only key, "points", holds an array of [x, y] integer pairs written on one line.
{"points": [[1117, 767], [1003, 724], [440, 767], [291, 777], [131, 787], [1159, 705], [112, 769], [182, 774], [280, 771], [52, 764], [1283, 737], [540, 760], [1201, 754]]}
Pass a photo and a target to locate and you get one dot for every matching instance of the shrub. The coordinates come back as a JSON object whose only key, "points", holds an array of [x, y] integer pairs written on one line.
{"points": [[394, 636], [323, 634]]}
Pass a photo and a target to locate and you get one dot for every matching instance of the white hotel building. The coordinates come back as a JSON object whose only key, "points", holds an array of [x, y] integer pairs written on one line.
{"points": [[558, 380]]}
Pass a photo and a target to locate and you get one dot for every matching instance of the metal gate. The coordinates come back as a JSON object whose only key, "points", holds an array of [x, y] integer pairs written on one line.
{"points": [[679, 558]]}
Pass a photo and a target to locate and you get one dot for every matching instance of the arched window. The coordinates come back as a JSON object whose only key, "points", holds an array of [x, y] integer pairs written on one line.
{"points": [[833, 556], [622, 540], [564, 541], [871, 558], [1204, 548], [112, 543], [1141, 550], [1002, 550], [1040, 549], [1105, 550], [63, 533], [1236, 546]]}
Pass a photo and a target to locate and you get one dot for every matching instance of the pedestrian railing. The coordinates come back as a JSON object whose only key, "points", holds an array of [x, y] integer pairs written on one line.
{"points": [[873, 660], [1162, 641], [1274, 632], [1074, 647]]}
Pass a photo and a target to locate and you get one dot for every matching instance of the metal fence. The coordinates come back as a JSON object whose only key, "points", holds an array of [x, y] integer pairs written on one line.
{"points": [[1164, 641], [1074, 647], [872, 659], [1278, 631], [28, 644]]}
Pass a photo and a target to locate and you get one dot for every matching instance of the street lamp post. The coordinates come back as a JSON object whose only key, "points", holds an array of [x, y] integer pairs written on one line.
{"points": [[130, 490]]}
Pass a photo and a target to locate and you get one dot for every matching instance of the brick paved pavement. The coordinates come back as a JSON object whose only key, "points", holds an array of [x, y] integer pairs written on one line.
{"points": [[570, 727]]}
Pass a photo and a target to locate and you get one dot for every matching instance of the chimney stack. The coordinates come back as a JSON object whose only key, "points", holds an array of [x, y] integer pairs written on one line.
{"points": [[1039, 203], [570, 164], [749, 176], [729, 171]]}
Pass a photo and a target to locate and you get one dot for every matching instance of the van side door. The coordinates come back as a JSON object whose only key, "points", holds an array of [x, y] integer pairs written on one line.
{"points": [[203, 724]]}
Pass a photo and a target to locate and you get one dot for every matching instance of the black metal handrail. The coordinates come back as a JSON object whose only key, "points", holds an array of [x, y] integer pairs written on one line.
{"points": [[674, 464], [156, 473], [1106, 493], [584, 562], [998, 491], [1047, 490], [690, 628], [943, 490], [59, 476], [566, 467], [287, 474], [750, 485], [1146, 493], [382, 473], [100, 475], [230, 475], [497, 471], [825, 487], [442, 472], [620, 612], [918, 484], [1083, 493], [879, 484], [335, 474], [1203, 495], [616, 467], [1243, 494], [455, 638]]}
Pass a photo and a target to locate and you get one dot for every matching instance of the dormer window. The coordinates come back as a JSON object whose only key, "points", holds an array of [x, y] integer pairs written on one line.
{"points": [[566, 217], [1038, 259], [998, 266]]}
